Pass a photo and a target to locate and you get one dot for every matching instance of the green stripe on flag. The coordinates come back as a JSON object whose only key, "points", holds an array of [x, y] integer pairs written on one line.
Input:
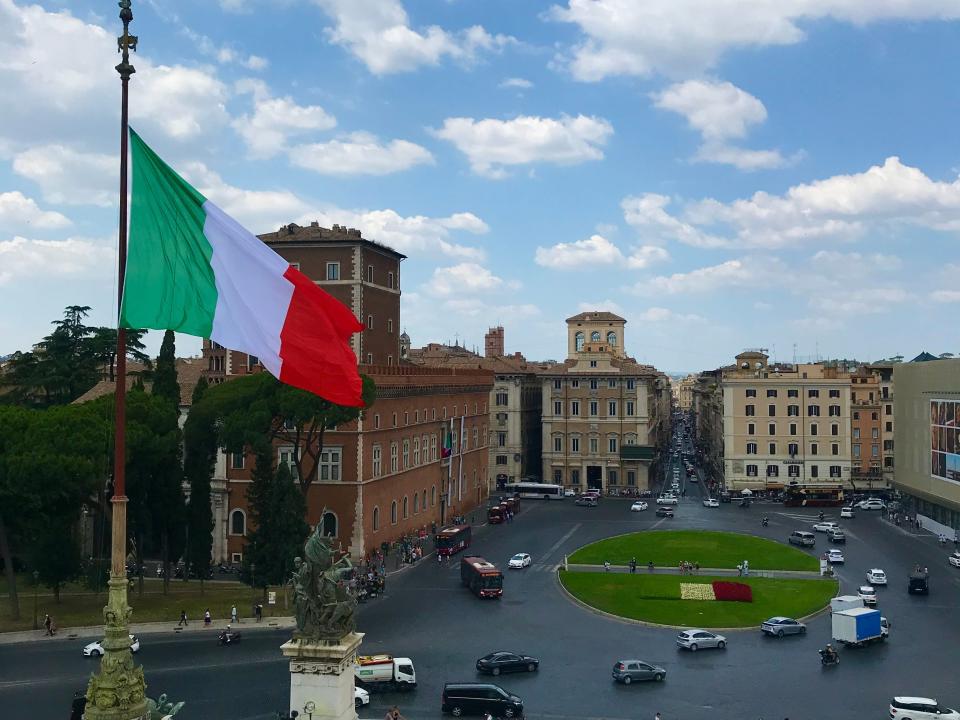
{"points": [[169, 280]]}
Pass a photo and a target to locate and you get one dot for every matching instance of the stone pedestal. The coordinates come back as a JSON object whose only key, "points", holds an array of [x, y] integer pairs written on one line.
{"points": [[321, 677]]}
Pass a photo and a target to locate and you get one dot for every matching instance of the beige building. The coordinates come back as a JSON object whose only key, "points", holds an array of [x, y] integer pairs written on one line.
{"points": [[785, 424], [605, 416], [683, 392], [927, 461]]}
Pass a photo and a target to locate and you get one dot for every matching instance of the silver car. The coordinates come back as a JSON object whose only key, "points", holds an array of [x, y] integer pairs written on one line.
{"points": [[628, 671], [781, 626], [695, 639]]}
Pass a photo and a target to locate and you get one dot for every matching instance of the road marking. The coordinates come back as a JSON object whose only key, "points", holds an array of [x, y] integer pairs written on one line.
{"points": [[558, 543]]}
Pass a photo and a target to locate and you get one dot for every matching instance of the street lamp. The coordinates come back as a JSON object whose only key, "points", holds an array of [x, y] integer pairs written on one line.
{"points": [[253, 584], [36, 582]]}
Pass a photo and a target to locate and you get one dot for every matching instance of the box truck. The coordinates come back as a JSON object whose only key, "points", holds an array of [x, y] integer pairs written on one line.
{"points": [[857, 626], [385, 670]]}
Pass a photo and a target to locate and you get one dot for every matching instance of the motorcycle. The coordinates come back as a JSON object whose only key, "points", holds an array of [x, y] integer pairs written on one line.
{"points": [[765, 522], [228, 638], [828, 659]]}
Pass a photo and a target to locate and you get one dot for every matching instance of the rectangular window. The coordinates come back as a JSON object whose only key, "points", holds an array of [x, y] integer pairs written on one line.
{"points": [[501, 398], [501, 459], [793, 428], [574, 444], [236, 460], [751, 429], [594, 408], [813, 410], [814, 450], [813, 429], [377, 461], [856, 415], [575, 477], [835, 448], [875, 433], [557, 476], [750, 410], [329, 466], [834, 393], [594, 446], [558, 444], [814, 471], [834, 471], [631, 384], [751, 392], [333, 271], [557, 384], [286, 458], [611, 383], [612, 477], [593, 363], [771, 393], [575, 384], [835, 410], [558, 407], [874, 450], [389, 325], [834, 429], [612, 444], [813, 393], [888, 427], [369, 273], [751, 448], [631, 477], [772, 429], [751, 470], [252, 362], [773, 471], [369, 322], [856, 450], [772, 449], [856, 433], [574, 407], [874, 416], [593, 384], [793, 410], [390, 280], [612, 408], [793, 470], [888, 409], [772, 410], [793, 449], [630, 408], [501, 439], [793, 393]]}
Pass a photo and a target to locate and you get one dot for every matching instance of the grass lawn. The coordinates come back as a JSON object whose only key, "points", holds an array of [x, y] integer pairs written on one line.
{"points": [[710, 549], [656, 598], [86, 608]]}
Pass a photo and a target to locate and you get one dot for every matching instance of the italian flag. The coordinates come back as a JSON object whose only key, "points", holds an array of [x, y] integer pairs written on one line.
{"points": [[447, 449], [193, 269]]}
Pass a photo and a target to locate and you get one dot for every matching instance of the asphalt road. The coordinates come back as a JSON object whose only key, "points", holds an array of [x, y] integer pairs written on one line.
{"points": [[427, 616]]}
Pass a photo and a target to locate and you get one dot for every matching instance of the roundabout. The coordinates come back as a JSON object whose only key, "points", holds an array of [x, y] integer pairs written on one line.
{"points": [[782, 581]]}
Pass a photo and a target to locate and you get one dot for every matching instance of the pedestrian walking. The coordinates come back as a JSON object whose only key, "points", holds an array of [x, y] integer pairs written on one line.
{"points": [[48, 623], [258, 611], [206, 618], [183, 619], [233, 615]]}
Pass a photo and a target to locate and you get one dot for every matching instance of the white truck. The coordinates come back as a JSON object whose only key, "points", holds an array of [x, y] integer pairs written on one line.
{"points": [[385, 670], [859, 626]]}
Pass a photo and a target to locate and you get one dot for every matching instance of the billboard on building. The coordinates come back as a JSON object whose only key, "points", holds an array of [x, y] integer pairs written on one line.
{"points": [[945, 439]]}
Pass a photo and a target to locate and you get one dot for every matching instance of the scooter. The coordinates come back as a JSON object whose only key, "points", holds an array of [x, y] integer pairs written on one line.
{"points": [[228, 637], [765, 522], [828, 660]]}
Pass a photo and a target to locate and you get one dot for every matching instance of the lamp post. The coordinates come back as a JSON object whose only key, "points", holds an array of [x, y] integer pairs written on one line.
{"points": [[36, 583], [253, 585]]}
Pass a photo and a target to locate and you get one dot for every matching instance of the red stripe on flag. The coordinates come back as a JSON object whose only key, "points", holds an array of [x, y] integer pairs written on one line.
{"points": [[315, 344]]}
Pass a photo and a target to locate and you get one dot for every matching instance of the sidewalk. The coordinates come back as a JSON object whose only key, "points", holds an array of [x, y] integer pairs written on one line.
{"points": [[170, 627], [715, 572]]}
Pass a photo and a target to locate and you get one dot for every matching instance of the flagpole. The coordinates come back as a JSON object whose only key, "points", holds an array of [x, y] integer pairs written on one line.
{"points": [[117, 691]]}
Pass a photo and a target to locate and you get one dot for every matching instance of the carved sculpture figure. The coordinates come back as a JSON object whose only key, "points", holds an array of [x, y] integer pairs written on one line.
{"points": [[325, 610]]}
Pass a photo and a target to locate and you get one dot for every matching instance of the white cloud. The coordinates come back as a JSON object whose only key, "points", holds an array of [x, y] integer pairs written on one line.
{"points": [[68, 176], [224, 54], [647, 213], [477, 308], [360, 153], [465, 279], [21, 258], [19, 211], [493, 145], [595, 250], [645, 256], [627, 37], [275, 120], [665, 315], [183, 102], [859, 301], [720, 111], [378, 33], [837, 208], [945, 296], [747, 272], [517, 83], [846, 265]]}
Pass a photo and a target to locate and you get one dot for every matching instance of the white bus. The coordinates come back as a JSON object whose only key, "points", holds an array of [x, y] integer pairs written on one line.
{"points": [[535, 490]]}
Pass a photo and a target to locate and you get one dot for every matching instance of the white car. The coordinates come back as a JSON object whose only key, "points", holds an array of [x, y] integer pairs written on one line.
{"points": [[569, 492], [824, 526], [520, 560], [711, 502], [846, 513], [835, 556], [955, 559], [695, 639], [95, 649], [920, 708], [868, 594], [638, 506], [876, 576], [360, 697], [667, 500], [871, 504]]}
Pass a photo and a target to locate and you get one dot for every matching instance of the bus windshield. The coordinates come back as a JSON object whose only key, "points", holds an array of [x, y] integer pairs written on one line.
{"points": [[491, 581]]}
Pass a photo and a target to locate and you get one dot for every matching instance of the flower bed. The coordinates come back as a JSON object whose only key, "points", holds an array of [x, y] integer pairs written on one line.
{"points": [[732, 591], [696, 591]]}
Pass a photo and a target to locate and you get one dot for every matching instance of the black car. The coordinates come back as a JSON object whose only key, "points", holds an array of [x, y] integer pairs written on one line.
{"points": [[502, 661], [478, 699]]}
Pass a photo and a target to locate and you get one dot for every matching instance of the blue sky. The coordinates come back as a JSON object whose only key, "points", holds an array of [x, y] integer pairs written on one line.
{"points": [[723, 173]]}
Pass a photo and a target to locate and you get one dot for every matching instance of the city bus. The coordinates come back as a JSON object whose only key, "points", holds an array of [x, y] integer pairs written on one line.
{"points": [[813, 496], [453, 539], [482, 577], [535, 490]]}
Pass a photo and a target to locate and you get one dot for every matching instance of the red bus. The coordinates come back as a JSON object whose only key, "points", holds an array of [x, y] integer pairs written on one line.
{"points": [[453, 539], [813, 496], [482, 577], [497, 514]]}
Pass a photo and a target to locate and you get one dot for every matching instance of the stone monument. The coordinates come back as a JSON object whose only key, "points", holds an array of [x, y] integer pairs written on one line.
{"points": [[324, 645]]}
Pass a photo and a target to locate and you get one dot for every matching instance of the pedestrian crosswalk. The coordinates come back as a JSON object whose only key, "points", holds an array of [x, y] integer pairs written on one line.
{"points": [[808, 517]]}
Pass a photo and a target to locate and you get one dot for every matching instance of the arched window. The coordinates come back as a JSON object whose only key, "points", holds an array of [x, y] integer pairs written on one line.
{"points": [[416, 503], [433, 496], [406, 454], [578, 341], [612, 339], [595, 336], [328, 525], [376, 519], [393, 512], [406, 507], [238, 523], [424, 499]]}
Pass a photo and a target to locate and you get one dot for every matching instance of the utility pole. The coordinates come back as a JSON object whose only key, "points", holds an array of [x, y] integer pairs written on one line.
{"points": [[118, 690]]}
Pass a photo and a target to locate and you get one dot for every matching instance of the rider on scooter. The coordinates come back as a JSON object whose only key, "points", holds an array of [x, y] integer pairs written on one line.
{"points": [[829, 654]]}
